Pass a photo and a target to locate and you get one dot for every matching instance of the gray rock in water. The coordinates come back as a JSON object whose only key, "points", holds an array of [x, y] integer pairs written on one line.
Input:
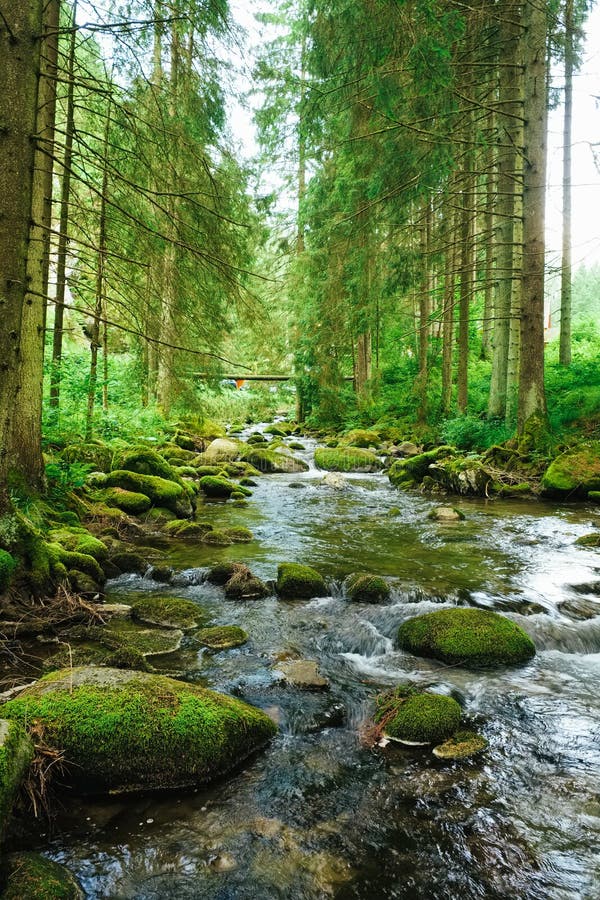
{"points": [[303, 674], [446, 514]]}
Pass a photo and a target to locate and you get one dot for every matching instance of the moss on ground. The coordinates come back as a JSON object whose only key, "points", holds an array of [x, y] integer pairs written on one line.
{"points": [[31, 876], [469, 637], [346, 459], [367, 588], [222, 637], [295, 581], [132, 731]]}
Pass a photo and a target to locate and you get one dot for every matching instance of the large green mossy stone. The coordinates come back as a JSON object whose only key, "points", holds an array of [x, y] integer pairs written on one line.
{"points": [[361, 437], [146, 461], [217, 486], [161, 492], [574, 474], [365, 588], [271, 462], [31, 876], [412, 470], [468, 637], [16, 753], [295, 581], [417, 718], [130, 731], [129, 502], [346, 459]]}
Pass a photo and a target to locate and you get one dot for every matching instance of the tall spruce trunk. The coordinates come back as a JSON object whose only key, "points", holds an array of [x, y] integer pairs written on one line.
{"points": [[466, 291], [20, 31], [509, 129], [531, 413], [424, 311], [566, 269], [448, 318]]}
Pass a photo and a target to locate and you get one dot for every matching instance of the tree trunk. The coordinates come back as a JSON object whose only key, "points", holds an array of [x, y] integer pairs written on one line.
{"points": [[509, 111], [424, 312], [565, 275], [466, 292], [448, 322], [531, 413], [20, 30], [34, 311], [63, 228]]}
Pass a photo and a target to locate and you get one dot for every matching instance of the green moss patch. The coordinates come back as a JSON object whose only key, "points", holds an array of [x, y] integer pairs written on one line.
{"points": [[411, 470], [239, 535], [168, 612], [270, 461], [16, 753], [188, 529], [461, 745], [367, 588], [295, 581], [31, 876], [93, 453], [469, 637], [417, 718], [8, 564], [124, 731], [145, 461], [575, 473], [130, 502], [361, 437], [589, 540], [217, 538], [161, 492], [78, 540], [222, 637], [346, 459], [217, 486]]}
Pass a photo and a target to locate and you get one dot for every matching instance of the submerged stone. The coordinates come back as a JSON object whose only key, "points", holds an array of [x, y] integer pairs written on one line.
{"points": [[30, 876], [131, 731], [303, 674], [468, 637], [414, 717], [295, 581], [168, 612], [461, 745]]}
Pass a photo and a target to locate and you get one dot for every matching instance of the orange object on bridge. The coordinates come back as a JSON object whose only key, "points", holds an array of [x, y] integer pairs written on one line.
{"points": [[240, 382]]}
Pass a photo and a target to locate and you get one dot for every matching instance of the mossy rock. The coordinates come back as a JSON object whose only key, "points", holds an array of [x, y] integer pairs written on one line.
{"points": [[248, 482], [82, 583], [346, 459], [130, 502], [81, 562], [296, 445], [128, 561], [589, 540], [446, 514], [129, 731], [121, 633], [223, 450], [92, 453], [463, 475], [270, 461], [468, 637], [365, 588], [243, 585], [411, 470], [295, 581], [254, 439], [594, 496], [8, 564], [461, 745], [223, 571], [16, 753], [168, 612], [162, 492], [414, 717], [361, 437], [217, 538], [145, 461], [202, 470], [187, 529], [217, 486], [239, 535], [160, 516], [574, 473], [221, 637], [30, 876], [173, 453], [78, 540]]}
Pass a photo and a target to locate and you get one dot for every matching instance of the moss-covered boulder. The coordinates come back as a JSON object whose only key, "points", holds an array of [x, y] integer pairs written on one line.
{"points": [[16, 753], [168, 612], [466, 476], [468, 637], [185, 529], [222, 450], [91, 453], [574, 474], [589, 540], [411, 470], [239, 535], [129, 561], [123, 731], [270, 461], [217, 486], [346, 459], [145, 461], [462, 745], [223, 571], [414, 717], [8, 564], [365, 588], [130, 502], [162, 492], [222, 637], [78, 540], [30, 876], [217, 538], [297, 582], [446, 514], [361, 437], [243, 585]]}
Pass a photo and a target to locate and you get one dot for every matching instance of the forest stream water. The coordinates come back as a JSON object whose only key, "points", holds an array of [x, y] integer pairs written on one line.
{"points": [[320, 814]]}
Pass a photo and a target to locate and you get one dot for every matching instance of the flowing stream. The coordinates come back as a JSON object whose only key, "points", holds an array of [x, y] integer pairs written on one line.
{"points": [[320, 814]]}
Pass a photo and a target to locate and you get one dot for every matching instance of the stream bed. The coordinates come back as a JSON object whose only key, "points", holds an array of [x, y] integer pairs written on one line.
{"points": [[321, 814]]}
